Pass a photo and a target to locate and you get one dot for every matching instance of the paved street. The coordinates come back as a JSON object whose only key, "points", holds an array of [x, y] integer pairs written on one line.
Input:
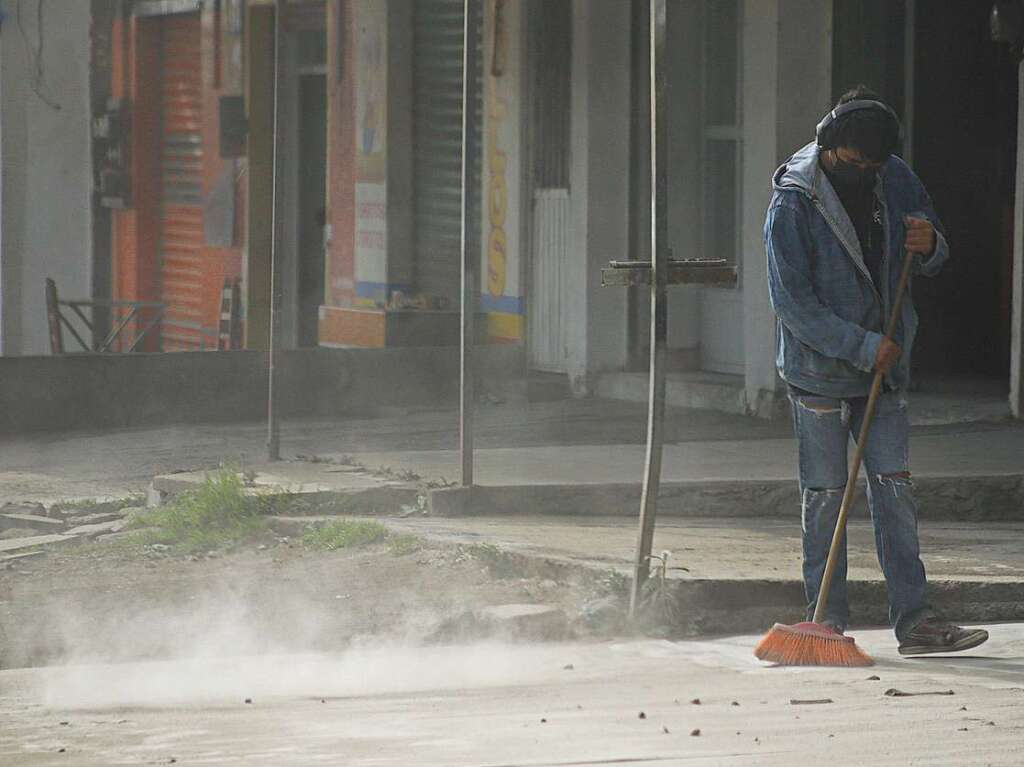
{"points": [[523, 706]]}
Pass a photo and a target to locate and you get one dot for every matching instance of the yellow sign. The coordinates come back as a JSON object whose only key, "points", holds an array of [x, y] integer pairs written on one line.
{"points": [[497, 191]]}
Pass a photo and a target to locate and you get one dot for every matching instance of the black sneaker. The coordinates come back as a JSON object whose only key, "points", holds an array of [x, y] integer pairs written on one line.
{"points": [[932, 636]]}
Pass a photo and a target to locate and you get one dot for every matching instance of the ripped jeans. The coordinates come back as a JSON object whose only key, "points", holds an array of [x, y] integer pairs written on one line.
{"points": [[824, 426]]}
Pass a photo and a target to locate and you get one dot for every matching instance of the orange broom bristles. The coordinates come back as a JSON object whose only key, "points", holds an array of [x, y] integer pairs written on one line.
{"points": [[809, 644]]}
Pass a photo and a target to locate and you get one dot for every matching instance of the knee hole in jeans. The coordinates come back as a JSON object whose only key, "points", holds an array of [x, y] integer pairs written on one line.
{"points": [[896, 477]]}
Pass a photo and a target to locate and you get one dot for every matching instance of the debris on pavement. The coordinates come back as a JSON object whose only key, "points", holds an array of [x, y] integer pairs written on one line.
{"points": [[813, 702], [641, 715], [892, 692], [695, 733], [695, 701]]}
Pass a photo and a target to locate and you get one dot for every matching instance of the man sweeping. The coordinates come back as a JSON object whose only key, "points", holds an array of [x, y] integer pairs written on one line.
{"points": [[844, 211]]}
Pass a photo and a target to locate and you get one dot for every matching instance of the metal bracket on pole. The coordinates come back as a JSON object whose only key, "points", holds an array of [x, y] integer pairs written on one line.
{"points": [[660, 272], [469, 239]]}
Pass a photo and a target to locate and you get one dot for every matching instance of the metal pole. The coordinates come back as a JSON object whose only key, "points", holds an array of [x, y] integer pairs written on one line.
{"points": [[273, 423], [659, 308], [469, 251], [1017, 310]]}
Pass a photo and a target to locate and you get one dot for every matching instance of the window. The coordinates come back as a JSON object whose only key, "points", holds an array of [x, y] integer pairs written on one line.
{"points": [[721, 128]]}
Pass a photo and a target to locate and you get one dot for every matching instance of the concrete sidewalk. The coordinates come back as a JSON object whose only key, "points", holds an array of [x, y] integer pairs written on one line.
{"points": [[960, 475], [744, 574], [953, 453], [48, 467]]}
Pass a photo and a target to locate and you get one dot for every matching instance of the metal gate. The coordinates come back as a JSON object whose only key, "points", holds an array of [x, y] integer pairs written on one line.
{"points": [[548, 340], [437, 146], [181, 214], [550, 96]]}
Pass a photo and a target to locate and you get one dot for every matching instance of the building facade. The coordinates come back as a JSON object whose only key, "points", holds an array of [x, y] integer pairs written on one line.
{"points": [[369, 208], [45, 166]]}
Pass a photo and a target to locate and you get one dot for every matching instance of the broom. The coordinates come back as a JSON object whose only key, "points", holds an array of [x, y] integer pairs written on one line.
{"points": [[812, 643]]}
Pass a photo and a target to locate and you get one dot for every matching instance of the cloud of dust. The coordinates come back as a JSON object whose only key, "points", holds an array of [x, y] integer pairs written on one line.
{"points": [[362, 671], [224, 645]]}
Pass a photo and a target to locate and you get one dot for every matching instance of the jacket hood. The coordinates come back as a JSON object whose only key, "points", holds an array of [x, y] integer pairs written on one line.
{"points": [[801, 171]]}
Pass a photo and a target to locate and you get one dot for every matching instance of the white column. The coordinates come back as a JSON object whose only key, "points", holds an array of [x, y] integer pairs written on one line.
{"points": [[787, 84], [599, 194], [760, 158]]}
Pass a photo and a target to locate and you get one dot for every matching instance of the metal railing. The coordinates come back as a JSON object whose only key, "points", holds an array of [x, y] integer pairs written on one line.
{"points": [[134, 326]]}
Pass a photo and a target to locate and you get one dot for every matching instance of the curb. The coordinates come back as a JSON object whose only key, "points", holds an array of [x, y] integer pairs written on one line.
{"points": [[993, 498], [709, 606]]}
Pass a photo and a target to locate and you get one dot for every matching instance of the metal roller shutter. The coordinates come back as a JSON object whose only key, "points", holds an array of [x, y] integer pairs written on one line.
{"points": [[437, 146], [181, 235]]}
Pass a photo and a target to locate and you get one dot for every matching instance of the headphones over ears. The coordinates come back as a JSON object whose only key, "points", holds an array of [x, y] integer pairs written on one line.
{"points": [[826, 131]]}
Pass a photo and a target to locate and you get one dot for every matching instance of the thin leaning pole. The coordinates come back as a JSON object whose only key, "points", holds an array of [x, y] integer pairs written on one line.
{"points": [[273, 422], [659, 307], [470, 56]]}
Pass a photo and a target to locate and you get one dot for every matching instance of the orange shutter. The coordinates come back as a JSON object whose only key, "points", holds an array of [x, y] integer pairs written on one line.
{"points": [[181, 218]]}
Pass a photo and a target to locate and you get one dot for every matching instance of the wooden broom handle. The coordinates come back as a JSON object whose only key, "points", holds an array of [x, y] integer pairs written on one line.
{"points": [[858, 456]]}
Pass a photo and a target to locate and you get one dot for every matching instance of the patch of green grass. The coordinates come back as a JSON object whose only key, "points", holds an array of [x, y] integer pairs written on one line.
{"points": [[215, 514], [401, 545], [344, 534]]}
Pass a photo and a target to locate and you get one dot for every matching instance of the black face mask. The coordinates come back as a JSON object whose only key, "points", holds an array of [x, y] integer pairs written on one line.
{"points": [[850, 175]]}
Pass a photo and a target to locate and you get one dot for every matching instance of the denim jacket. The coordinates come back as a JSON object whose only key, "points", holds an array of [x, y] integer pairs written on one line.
{"points": [[831, 315]]}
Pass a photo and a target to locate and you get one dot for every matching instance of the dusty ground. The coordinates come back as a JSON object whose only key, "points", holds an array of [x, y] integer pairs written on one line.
{"points": [[103, 601], [286, 656], [521, 706]]}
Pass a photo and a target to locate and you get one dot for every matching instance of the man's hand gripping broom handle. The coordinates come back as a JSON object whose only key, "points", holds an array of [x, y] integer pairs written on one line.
{"points": [[851, 482]]}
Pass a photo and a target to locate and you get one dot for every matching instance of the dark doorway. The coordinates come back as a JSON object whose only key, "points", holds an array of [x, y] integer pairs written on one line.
{"points": [[965, 133], [312, 184]]}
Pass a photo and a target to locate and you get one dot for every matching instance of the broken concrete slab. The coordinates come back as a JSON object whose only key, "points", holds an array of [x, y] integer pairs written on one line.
{"points": [[306, 487], [17, 544], [91, 531], [35, 509], [94, 518], [30, 521]]}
